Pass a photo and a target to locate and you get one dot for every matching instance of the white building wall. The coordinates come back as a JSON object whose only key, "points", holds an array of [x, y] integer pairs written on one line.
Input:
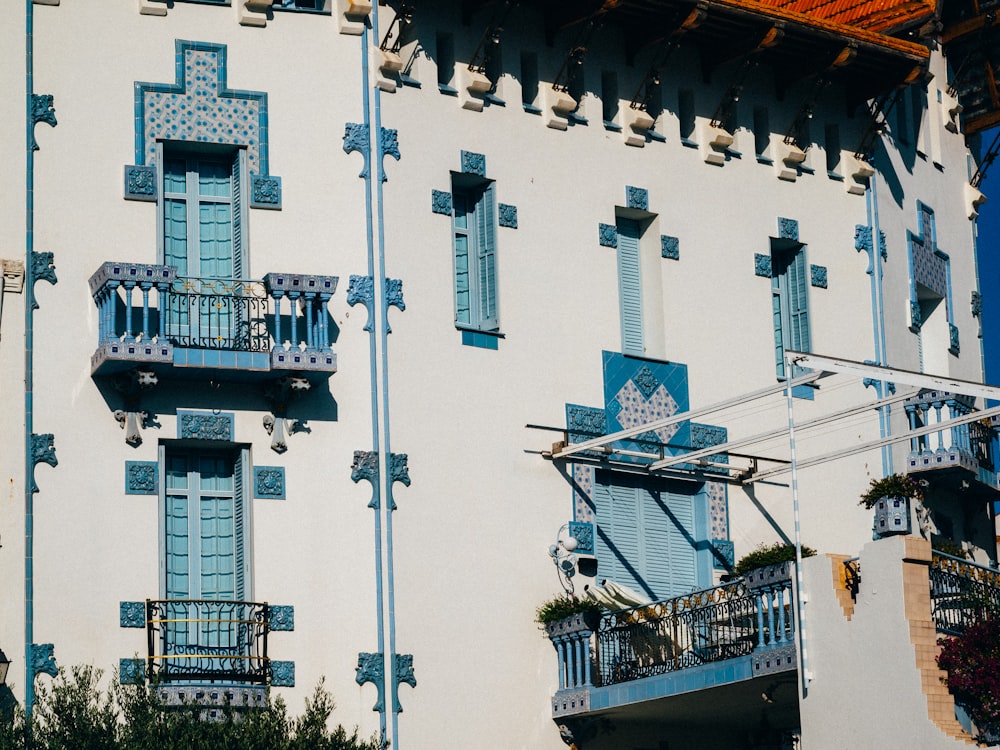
{"points": [[471, 532]]}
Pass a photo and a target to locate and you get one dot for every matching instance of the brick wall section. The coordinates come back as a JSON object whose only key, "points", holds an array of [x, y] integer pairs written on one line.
{"points": [[923, 636], [840, 586]]}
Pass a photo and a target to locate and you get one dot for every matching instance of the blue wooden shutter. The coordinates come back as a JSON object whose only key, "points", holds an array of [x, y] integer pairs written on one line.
{"points": [[239, 264], [630, 287], [240, 524], [776, 315], [487, 259], [798, 296], [646, 536]]}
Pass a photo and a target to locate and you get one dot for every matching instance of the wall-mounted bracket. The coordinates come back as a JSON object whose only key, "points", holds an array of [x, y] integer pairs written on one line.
{"points": [[278, 393]]}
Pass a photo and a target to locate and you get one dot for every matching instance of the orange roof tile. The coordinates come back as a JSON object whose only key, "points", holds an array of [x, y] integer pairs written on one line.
{"points": [[871, 15]]}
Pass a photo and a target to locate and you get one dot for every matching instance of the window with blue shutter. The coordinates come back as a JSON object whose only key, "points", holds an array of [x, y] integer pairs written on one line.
{"points": [[789, 304], [204, 549], [475, 251], [204, 525], [651, 534], [630, 286], [203, 217]]}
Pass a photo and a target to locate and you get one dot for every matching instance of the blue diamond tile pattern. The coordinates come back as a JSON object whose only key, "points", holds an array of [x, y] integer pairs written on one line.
{"points": [[640, 391]]}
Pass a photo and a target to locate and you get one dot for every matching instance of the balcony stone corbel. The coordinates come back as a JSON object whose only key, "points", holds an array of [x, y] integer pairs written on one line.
{"points": [[279, 392], [132, 419], [352, 15], [559, 104], [253, 12]]}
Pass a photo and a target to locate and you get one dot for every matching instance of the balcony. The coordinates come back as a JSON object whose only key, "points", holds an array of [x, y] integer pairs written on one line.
{"points": [[197, 640], [650, 663], [962, 593], [953, 455], [219, 328]]}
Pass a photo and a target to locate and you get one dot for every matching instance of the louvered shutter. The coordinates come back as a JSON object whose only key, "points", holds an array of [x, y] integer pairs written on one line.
{"points": [[630, 287], [487, 259]]}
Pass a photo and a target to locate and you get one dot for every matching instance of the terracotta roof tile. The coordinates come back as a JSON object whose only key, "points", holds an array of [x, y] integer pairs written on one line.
{"points": [[871, 15]]}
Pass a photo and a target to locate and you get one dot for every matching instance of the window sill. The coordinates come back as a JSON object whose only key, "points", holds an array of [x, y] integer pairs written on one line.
{"points": [[408, 81], [447, 90], [481, 339]]}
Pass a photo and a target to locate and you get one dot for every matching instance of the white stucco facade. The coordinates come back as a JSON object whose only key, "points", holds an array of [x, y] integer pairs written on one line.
{"points": [[450, 564]]}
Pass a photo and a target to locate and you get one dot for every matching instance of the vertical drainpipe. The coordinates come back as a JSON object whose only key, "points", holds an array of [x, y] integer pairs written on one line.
{"points": [[878, 315], [372, 350], [385, 467], [29, 241]]}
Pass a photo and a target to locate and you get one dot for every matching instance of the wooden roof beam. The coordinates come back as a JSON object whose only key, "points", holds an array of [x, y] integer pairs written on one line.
{"points": [[769, 39], [977, 23]]}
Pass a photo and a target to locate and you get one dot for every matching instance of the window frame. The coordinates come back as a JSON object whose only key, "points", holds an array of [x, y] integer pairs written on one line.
{"points": [[242, 516], [239, 189], [478, 233], [657, 497], [790, 303]]}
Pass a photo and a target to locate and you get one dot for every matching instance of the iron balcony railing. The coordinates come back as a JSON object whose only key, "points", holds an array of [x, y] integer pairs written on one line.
{"points": [[143, 303], [716, 624], [968, 446], [200, 639], [962, 593]]}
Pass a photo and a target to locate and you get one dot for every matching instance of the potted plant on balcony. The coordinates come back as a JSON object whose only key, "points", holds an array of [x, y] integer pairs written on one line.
{"points": [[566, 614], [769, 564], [890, 497]]}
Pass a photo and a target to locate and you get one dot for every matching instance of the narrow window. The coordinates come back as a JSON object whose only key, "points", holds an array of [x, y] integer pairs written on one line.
{"points": [[474, 222], [833, 155], [445, 48], [529, 82], [789, 303], [609, 100], [685, 116], [630, 286], [762, 135]]}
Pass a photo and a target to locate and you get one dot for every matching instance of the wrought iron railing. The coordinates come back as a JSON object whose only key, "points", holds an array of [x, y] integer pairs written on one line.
{"points": [[144, 303], [199, 639], [217, 314], [962, 593], [698, 628], [852, 576]]}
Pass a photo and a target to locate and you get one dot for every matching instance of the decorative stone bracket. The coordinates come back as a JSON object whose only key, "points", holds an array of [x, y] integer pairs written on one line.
{"points": [[371, 668], [42, 450], [42, 110], [366, 466], [278, 393], [42, 269], [132, 418], [43, 660]]}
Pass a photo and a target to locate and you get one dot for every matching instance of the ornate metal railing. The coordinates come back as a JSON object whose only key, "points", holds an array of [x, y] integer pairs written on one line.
{"points": [[706, 626], [968, 446], [217, 314], [199, 639], [962, 593], [144, 303]]}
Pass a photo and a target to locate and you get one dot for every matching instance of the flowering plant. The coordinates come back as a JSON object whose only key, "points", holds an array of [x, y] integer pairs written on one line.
{"points": [[972, 661], [561, 607], [770, 555], [894, 485]]}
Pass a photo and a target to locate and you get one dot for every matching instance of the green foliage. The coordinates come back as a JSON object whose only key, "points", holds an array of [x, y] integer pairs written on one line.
{"points": [[73, 713], [894, 485], [561, 607], [769, 555], [972, 661]]}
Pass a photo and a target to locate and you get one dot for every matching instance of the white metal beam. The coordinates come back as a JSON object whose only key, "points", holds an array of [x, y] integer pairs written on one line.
{"points": [[684, 416], [771, 434], [843, 453], [893, 375]]}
